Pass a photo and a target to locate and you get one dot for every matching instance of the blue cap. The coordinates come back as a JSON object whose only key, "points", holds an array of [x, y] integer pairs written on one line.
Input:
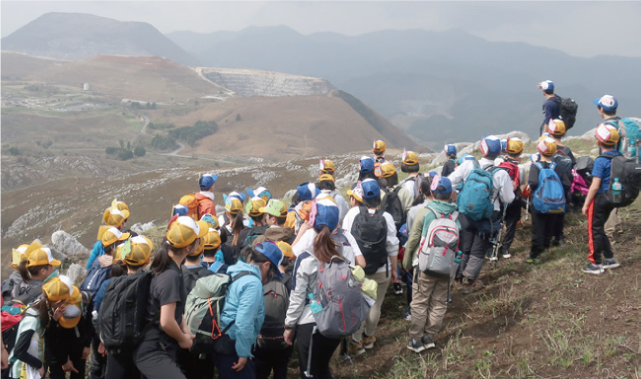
{"points": [[450, 149], [367, 164], [490, 145], [306, 191], [607, 102], [547, 86], [324, 213], [443, 182], [260, 192], [180, 210], [206, 181], [273, 253], [371, 189], [503, 145], [465, 157]]}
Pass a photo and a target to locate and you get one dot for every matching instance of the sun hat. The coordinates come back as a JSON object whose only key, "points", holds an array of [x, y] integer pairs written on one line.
{"points": [[253, 207], [233, 205], [136, 251], [371, 189], [212, 239], [379, 147], [514, 146], [275, 208], [261, 192], [326, 177], [366, 164], [356, 192], [490, 146], [556, 127], [385, 170], [39, 255], [73, 309], [237, 195], [607, 134], [18, 255], [58, 287], [443, 182], [123, 207], [450, 149], [180, 210], [273, 253], [113, 217], [206, 181], [113, 235], [327, 166], [608, 102], [465, 157], [183, 231], [546, 146], [306, 191], [410, 158]]}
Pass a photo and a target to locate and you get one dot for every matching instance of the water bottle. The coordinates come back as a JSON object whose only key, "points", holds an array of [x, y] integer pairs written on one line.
{"points": [[314, 304], [616, 191]]}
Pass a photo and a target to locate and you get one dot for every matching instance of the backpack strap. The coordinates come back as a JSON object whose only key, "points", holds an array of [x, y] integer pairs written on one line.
{"points": [[552, 166], [538, 164], [436, 213]]}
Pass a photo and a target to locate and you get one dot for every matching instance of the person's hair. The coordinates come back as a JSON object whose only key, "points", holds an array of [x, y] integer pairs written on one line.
{"points": [[251, 255], [367, 175], [296, 199], [549, 91], [109, 249], [441, 196], [324, 246], [119, 269], [210, 252], [42, 306], [453, 155], [516, 156], [491, 157], [374, 202], [281, 220], [326, 185], [609, 113], [389, 182], [410, 168], [606, 146], [230, 255], [222, 232], [162, 260], [424, 188], [28, 272], [236, 226], [194, 258], [259, 219]]}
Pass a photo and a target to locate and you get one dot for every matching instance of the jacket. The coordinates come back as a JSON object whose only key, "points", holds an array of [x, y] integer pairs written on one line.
{"points": [[15, 288], [245, 305], [298, 312], [424, 216], [205, 205], [276, 234], [28, 352], [97, 251], [503, 187]]}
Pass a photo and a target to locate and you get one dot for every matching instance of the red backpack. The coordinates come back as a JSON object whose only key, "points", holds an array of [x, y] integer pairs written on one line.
{"points": [[512, 170]]}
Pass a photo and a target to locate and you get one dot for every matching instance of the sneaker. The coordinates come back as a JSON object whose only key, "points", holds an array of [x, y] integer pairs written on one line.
{"points": [[609, 263], [532, 261], [407, 316], [415, 345], [398, 289], [368, 342], [449, 299], [355, 349], [593, 269], [427, 341], [505, 253], [469, 286]]}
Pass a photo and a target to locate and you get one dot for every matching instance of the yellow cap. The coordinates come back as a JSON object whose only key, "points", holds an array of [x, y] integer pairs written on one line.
{"points": [[324, 177], [201, 247], [18, 255], [58, 287], [379, 147], [514, 146], [184, 230], [113, 217], [233, 205], [138, 251], [607, 134], [410, 158], [113, 235], [546, 146], [385, 170], [285, 248], [40, 255], [556, 127], [73, 309], [254, 206], [122, 206], [212, 239], [327, 166], [210, 220]]}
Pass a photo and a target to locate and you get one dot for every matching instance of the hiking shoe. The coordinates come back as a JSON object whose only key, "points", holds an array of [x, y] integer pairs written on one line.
{"points": [[505, 253], [407, 316], [355, 349], [427, 341], [609, 263], [415, 345], [593, 269], [469, 286], [368, 342], [532, 261], [398, 289], [449, 299], [559, 242]]}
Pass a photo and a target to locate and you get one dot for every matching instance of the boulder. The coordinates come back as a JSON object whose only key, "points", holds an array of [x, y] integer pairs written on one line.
{"points": [[140, 227], [76, 273], [67, 245]]}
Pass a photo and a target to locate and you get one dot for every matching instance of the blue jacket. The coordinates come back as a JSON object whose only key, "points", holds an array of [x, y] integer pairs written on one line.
{"points": [[95, 253], [244, 304]]}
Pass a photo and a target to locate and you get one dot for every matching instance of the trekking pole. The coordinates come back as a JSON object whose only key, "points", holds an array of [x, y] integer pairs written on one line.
{"points": [[308, 372]]}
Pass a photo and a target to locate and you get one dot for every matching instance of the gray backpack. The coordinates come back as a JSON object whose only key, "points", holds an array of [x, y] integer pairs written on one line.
{"points": [[340, 296], [439, 246]]}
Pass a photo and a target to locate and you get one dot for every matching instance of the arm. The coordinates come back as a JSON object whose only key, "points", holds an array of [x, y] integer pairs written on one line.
{"points": [[95, 253], [20, 350], [594, 188], [533, 179], [406, 199], [250, 298], [392, 245], [413, 241], [299, 293], [170, 326], [507, 189], [358, 255]]}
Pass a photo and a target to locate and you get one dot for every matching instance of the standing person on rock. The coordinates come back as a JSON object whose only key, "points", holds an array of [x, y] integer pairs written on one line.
{"points": [[551, 107], [450, 165]]}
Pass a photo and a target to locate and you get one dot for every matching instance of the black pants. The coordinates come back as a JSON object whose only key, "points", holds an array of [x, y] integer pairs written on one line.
{"points": [[598, 214], [512, 217], [98, 361], [225, 362], [194, 367], [268, 360], [322, 350], [75, 355], [544, 227], [121, 366], [156, 358]]}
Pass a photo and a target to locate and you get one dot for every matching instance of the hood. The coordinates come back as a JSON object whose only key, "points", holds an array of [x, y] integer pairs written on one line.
{"points": [[279, 234], [202, 195], [105, 260], [442, 207], [242, 266]]}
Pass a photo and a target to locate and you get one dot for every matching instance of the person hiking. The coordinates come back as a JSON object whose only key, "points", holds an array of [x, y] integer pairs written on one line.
{"points": [[597, 208], [450, 165], [253, 208], [234, 213], [511, 161], [410, 166], [36, 263], [429, 301], [379, 151], [551, 108], [275, 217], [564, 158], [375, 233], [388, 181], [327, 167], [327, 187], [298, 212], [224, 220], [476, 235], [212, 244], [366, 168], [155, 356], [15, 279], [111, 217], [205, 197]]}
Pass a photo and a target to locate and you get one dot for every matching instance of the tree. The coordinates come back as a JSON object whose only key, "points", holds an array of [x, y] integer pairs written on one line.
{"points": [[128, 145], [140, 151], [122, 144]]}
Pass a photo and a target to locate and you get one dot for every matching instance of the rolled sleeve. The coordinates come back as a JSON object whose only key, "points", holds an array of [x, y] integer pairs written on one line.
{"points": [[392, 240]]}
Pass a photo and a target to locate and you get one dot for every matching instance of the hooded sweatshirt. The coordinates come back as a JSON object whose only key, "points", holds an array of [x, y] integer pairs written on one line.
{"points": [[425, 217], [245, 305]]}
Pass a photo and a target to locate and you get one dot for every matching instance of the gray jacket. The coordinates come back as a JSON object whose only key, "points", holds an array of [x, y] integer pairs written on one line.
{"points": [[298, 312]]}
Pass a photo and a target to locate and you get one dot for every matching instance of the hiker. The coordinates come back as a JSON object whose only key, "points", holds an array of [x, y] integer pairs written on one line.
{"points": [[510, 161], [546, 218], [275, 217], [410, 165], [27, 356], [212, 244], [597, 207], [155, 356], [327, 187], [244, 310], [450, 165], [565, 159], [35, 264], [375, 233], [300, 319], [253, 209], [233, 213], [261, 192], [551, 108], [205, 197], [327, 167], [430, 291], [388, 181], [301, 203], [14, 280], [480, 216], [111, 217], [224, 220], [366, 168], [379, 150], [287, 265]]}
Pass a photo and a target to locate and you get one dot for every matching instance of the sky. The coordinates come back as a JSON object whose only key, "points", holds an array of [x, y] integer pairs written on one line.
{"points": [[578, 28]]}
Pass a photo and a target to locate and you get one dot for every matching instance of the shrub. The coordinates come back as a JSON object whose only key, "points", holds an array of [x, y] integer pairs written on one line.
{"points": [[191, 134], [140, 151]]}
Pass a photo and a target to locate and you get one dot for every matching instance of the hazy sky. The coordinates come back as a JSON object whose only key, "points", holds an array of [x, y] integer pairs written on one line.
{"points": [[576, 27]]}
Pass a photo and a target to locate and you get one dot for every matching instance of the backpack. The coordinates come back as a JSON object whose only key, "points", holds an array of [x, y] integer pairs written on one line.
{"points": [[629, 130], [339, 293], [579, 186], [95, 277], [11, 317], [628, 171], [417, 186], [254, 233], [276, 303], [476, 199], [191, 203], [370, 233], [567, 110], [564, 162], [584, 166], [203, 307], [392, 205], [122, 319], [549, 196], [512, 170], [190, 277], [439, 246]]}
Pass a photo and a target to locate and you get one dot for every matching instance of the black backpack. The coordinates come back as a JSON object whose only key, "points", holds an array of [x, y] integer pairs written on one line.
{"points": [[567, 110], [392, 205], [564, 162], [191, 276], [628, 171], [370, 233], [254, 233], [584, 166], [276, 304], [122, 321]]}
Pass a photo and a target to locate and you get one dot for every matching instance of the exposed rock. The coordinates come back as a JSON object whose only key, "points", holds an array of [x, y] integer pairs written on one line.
{"points": [[460, 147], [67, 245], [76, 273], [57, 254], [140, 228], [589, 134], [594, 152]]}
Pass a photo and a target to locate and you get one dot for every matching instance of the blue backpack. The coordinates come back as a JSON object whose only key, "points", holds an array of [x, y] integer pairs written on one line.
{"points": [[476, 199], [630, 131], [549, 196], [95, 277]]}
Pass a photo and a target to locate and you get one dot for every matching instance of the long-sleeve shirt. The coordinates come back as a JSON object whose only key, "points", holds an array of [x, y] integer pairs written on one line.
{"points": [[29, 347]]}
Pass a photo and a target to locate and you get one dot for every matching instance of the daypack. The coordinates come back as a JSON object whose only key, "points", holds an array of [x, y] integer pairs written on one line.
{"points": [[339, 293], [370, 233], [578, 184], [11, 317], [629, 130], [513, 171], [122, 322], [628, 171], [95, 277], [567, 110], [190, 277], [392, 205], [564, 162], [439, 246], [203, 307], [254, 233], [276, 303], [584, 166], [191, 203], [549, 196], [417, 186], [476, 199]]}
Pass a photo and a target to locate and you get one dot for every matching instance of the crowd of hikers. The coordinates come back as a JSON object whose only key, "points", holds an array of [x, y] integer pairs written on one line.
{"points": [[236, 293]]}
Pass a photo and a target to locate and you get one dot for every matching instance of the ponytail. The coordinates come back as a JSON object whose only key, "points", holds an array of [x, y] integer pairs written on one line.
{"points": [[426, 183], [324, 246], [22, 269], [161, 259], [237, 226]]}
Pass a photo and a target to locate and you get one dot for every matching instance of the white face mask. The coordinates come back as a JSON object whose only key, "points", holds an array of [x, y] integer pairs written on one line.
{"points": [[72, 311]]}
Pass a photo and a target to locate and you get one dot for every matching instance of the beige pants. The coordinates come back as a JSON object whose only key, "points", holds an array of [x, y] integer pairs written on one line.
{"points": [[429, 305], [614, 223], [371, 322]]}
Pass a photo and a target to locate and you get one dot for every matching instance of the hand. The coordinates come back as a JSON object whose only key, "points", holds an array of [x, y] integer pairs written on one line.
{"points": [[394, 276], [5, 358], [59, 312], [240, 365], [41, 371], [187, 341], [305, 226], [101, 349], [85, 353], [69, 367], [288, 336], [585, 209]]}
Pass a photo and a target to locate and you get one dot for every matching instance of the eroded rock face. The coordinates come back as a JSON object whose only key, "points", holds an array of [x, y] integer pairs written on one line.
{"points": [[76, 273], [67, 245], [141, 227]]}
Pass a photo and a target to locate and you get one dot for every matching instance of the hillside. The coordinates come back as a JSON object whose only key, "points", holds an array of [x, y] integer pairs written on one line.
{"points": [[75, 36]]}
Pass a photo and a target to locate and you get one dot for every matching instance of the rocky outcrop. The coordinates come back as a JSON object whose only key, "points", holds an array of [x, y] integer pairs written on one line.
{"points": [[76, 273], [468, 147], [66, 244], [140, 227]]}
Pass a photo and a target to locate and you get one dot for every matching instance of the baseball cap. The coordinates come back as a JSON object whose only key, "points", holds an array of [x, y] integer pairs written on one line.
{"points": [[385, 170], [275, 208], [306, 191], [206, 181], [607, 134], [233, 205], [357, 192], [410, 158], [273, 253], [210, 220], [546, 146], [236, 195], [547, 86], [58, 287], [450, 149], [261, 192], [324, 212], [136, 251], [285, 248], [73, 309], [490, 145], [371, 189], [180, 210], [366, 165], [183, 231], [556, 127], [327, 166], [113, 235], [443, 182], [465, 157], [607, 102], [212, 239], [40, 255], [514, 146], [504, 145], [18, 255], [379, 147], [122, 207], [324, 177], [254, 206], [113, 217]]}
